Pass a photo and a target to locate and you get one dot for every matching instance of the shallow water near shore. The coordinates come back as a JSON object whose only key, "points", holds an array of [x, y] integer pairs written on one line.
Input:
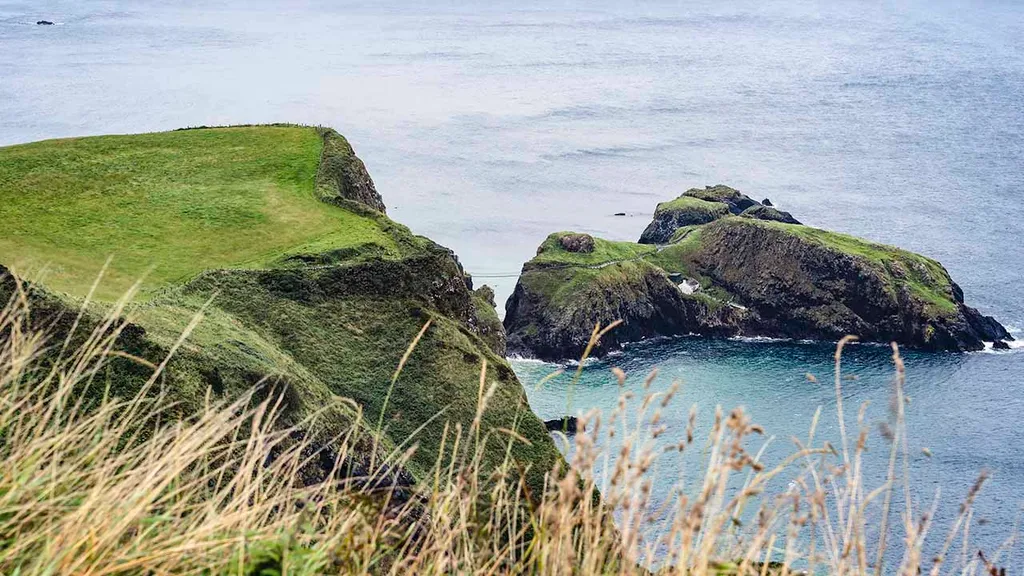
{"points": [[488, 127], [958, 412]]}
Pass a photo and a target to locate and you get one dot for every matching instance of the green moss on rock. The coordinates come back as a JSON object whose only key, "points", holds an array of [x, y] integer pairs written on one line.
{"points": [[553, 311], [552, 253], [681, 212], [485, 320], [731, 197], [810, 283]]}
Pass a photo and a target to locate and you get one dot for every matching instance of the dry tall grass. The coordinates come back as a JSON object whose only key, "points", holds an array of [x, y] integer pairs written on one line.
{"points": [[122, 489]]}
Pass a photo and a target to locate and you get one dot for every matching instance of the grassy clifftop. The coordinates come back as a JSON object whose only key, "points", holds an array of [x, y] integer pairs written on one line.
{"points": [[168, 205], [926, 278], [553, 253], [279, 235]]}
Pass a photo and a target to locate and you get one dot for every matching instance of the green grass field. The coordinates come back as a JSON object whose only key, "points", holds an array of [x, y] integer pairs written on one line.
{"points": [[714, 209], [166, 206], [552, 252]]}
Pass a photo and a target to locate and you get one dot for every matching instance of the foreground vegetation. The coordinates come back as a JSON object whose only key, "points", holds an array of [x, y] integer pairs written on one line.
{"points": [[131, 486]]}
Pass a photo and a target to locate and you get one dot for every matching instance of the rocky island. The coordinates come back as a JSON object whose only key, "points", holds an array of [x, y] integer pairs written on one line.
{"points": [[715, 262], [308, 291]]}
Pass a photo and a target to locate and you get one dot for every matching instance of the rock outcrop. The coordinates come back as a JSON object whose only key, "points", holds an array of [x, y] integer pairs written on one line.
{"points": [[560, 297], [699, 206], [485, 321], [752, 270], [734, 199], [801, 282], [683, 211], [343, 175], [578, 243], [568, 424], [767, 212]]}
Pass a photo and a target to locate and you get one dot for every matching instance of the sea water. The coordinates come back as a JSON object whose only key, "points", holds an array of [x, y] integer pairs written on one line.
{"points": [[489, 125]]}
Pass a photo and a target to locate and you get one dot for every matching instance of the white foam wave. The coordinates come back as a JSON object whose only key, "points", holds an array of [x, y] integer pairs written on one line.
{"points": [[588, 362], [755, 339], [1014, 345], [525, 359]]}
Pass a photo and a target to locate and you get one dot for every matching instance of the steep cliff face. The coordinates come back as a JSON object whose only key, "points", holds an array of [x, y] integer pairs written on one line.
{"points": [[485, 320], [341, 174], [550, 325], [807, 283], [561, 296], [758, 274]]}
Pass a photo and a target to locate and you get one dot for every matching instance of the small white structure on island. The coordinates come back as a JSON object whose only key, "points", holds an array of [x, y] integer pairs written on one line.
{"points": [[689, 286]]}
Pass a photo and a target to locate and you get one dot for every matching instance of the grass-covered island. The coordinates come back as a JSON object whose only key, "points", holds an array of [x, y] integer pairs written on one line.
{"points": [[718, 263], [306, 287]]}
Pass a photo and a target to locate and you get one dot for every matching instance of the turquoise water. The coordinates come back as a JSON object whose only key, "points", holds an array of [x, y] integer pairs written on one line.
{"points": [[488, 127], [958, 411]]}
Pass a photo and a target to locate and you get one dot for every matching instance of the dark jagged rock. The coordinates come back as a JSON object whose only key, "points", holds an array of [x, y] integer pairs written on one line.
{"points": [[801, 282], [343, 175], [1000, 345], [734, 199], [485, 321], [541, 324], [767, 202], [577, 243], [762, 274], [560, 296], [44, 23], [683, 211], [567, 424], [769, 213]]}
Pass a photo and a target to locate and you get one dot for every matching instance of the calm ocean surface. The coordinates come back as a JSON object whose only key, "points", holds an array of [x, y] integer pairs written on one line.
{"points": [[486, 128]]}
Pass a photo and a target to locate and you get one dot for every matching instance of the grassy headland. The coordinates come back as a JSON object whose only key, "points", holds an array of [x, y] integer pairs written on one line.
{"points": [[167, 206], [275, 235]]}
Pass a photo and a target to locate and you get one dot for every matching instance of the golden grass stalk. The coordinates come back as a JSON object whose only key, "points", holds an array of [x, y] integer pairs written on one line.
{"points": [[125, 488]]}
